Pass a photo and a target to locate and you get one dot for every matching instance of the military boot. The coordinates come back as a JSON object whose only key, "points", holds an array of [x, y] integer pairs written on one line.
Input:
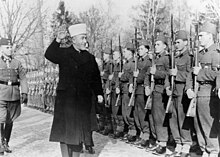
{"points": [[2, 138], [8, 129]]}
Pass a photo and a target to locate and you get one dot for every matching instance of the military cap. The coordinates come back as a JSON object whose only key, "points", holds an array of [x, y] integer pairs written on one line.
{"points": [[181, 34], [162, 38], [208, 27], [129, 46], [107, 50], [145, 43], [116, 48], [4, 41]]}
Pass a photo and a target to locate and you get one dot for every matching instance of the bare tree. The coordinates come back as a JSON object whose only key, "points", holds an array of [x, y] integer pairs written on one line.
{"points": [[19, 22]]}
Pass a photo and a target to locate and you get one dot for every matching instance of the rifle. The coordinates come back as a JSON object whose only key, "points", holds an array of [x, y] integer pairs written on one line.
{"points": [[121, 67], [191, 112], [170, 100], [109, 81], [148, 104], [131, 101]]}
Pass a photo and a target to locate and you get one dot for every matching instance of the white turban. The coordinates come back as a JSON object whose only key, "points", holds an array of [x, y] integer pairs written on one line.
{"points": [[77, 29]]}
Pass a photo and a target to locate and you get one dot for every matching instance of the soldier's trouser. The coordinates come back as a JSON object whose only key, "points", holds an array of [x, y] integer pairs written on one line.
{"points": [[139, 116], [117, 120], [159, 117], [207, 123], [126, 112], [181, 125]]}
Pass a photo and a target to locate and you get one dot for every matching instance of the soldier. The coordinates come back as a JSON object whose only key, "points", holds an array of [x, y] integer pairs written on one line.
{"points": [[117, 119], [179, 123], [126, 78], [207, 115], [105, 116], [12, 76], [160, 72], [143, 65]]}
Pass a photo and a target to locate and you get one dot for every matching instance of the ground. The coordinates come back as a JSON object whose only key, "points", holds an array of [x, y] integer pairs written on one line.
{"points": [[30, 138]]}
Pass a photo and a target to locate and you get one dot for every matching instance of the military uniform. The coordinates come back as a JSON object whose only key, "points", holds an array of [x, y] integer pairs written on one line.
{"points": [[105, 115], [13, 76], [207, 115], [159, 97], [181, 125], [142, 123]]}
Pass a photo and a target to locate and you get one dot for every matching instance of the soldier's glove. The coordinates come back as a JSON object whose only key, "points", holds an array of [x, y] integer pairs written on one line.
{"points": [[119, 74], [173, 72], [196, 69], [153, 70], [168, 91], [219, 93], [107, 91], [117, 90], [100, 98], [24, 98], [135, 73], [110, 77], [190, 93], [130, 88], [147, 91]]}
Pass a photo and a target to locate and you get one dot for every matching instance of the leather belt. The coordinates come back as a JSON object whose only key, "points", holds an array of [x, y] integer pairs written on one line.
{"points": [[159, 82], [207, 82], [10, 83]]}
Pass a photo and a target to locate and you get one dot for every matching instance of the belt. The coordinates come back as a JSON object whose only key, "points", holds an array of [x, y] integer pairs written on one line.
{"points": [[207, 82], [9, 83], [179, 82], [159, 82]]}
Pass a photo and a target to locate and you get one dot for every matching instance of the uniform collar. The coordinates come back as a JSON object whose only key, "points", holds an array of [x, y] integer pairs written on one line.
{"points": [[6, 58], [183, 53], [213, 47]]}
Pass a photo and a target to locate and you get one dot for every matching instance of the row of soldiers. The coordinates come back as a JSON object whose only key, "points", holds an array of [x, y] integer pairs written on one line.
{"points": [[160, 92], [42, 88]]}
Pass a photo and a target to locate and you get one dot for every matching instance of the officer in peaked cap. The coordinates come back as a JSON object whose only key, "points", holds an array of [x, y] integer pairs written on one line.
{"points": [[13, 76], [207, 74]]}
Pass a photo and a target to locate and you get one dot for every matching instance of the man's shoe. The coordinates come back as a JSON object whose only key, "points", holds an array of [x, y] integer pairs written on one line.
{"points": [[6, 148], [160, 150], [90, 149], [118, 135], [151, 147], [131, 138]]}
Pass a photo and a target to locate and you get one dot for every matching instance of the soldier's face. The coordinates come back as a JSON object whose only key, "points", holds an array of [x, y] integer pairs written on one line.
{"points": [[116, 56], [80, 41], [127, 54], [204, 38], [180, 44], [6, 49], [159, 47], [142, 50]]}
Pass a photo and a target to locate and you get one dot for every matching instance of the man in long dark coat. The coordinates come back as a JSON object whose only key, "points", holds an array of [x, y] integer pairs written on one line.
{"points": [[78, 78]]}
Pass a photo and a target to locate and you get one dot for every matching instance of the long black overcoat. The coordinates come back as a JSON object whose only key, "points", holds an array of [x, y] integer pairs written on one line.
{"points": [[79, 77]]}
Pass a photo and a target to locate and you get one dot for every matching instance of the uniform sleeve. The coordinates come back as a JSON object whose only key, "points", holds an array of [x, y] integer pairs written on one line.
{"points": [[53, 53], [23, 79], [141, 76], [218, 80]]}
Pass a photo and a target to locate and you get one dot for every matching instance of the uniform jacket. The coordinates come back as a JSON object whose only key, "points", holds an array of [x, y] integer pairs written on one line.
{"points": [[162, 62], [126, 77], [143, 66], [209, 61], [15, 73]]}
